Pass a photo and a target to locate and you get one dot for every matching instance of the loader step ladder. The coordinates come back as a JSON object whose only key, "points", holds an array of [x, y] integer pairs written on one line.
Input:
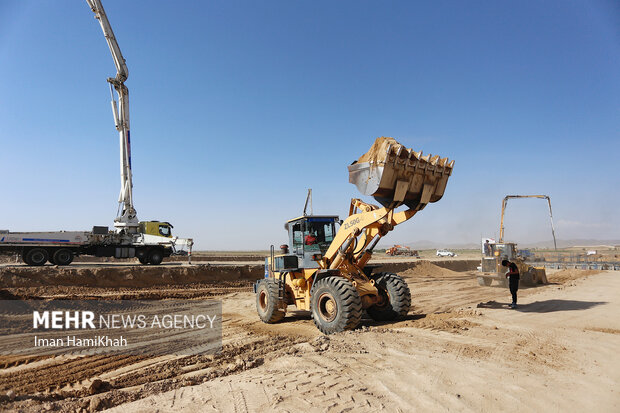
{"points": [[282, 285]]}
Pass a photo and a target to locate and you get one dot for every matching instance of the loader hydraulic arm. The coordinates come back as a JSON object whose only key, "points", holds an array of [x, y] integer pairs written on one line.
{"points": [[361, 231], [126, 219]]}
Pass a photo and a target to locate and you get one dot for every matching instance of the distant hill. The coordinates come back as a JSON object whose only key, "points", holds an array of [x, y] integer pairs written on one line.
{"points": [[572, 243], [427, 245]]}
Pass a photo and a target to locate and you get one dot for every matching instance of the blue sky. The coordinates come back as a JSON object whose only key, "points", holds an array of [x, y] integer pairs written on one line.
{"points": [[237, 107]]}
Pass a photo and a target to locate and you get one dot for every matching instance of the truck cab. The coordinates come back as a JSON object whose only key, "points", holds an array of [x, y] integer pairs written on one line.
{"points": [[310, 236], [156, 228]]}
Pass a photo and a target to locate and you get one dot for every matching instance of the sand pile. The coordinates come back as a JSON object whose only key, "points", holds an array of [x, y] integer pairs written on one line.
{"points": [[448, 321], [566, 275], [427, 269], [378, 150]]}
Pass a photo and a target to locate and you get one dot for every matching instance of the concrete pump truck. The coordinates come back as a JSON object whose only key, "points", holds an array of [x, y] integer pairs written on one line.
{"points": [[149, 241], [325, 270]]}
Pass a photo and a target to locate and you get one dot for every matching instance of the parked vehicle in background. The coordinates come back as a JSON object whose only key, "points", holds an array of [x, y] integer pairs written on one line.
{"points": [[152, 242], [402, 250], [445, 253]]}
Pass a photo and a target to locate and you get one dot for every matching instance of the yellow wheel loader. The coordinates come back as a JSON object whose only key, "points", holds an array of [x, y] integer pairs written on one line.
{"points": [[491, 267], [324, 268]]}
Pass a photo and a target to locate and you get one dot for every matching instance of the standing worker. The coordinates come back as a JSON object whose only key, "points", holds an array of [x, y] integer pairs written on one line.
{"points": [[487, 249], [513, 278]]}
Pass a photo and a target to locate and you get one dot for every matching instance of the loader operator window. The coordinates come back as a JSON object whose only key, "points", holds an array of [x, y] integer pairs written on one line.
{"points": [[298, 237], [329, 232], [318, 236]]}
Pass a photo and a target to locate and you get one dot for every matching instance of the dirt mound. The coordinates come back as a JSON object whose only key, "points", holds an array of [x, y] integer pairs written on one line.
{"points": [[185, 291], [133, 276], [198, 257], [448, 321], [459, 265], [378, 150], [427, 269], [454, 265], [567, 275]]}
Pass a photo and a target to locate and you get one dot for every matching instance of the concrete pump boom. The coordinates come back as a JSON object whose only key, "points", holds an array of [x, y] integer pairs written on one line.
{"points": [[505, 202], [126, 219]]}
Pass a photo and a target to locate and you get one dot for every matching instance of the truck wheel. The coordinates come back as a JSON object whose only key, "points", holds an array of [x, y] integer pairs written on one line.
{"points": [[63, 257], [36, 256], [485, 282], [336, 305], [395, 298], [156, 256], [25, 259], [143, 260], [267, 305]]}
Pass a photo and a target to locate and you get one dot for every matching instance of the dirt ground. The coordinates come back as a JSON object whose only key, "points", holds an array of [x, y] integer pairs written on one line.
{"points": [[460, 348]]}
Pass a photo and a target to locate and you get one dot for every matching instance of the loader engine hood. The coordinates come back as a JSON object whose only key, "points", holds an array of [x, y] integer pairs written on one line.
{"points": [[395, 175]]}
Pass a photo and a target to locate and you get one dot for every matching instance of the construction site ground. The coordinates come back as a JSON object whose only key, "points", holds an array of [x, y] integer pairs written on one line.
{"points": [[460, 348]]}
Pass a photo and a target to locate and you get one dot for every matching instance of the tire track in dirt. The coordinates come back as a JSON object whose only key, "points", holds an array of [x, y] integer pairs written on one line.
{"points": [[60, 379]]}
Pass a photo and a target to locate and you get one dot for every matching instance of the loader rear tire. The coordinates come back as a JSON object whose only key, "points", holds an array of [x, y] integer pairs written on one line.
{"points": [[335, 304], [396, 298], [267, 303], [36, 256]]}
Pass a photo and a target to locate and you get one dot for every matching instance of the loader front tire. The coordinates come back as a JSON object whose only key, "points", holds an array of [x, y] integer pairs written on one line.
{"points": [[335, 304], [395, 298], [267, 301]]}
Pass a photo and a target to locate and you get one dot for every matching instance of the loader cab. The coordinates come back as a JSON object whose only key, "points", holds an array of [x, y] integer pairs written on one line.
{"points": [[157, 228], [505, 251], [499, 252], [310, 236]]}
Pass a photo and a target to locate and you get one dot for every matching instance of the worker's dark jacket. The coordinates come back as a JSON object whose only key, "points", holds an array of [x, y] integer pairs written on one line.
{"points": [[513, 274]]}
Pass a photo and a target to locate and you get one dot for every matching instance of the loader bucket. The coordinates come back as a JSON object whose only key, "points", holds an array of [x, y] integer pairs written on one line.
{"points": [[395, 175]]}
